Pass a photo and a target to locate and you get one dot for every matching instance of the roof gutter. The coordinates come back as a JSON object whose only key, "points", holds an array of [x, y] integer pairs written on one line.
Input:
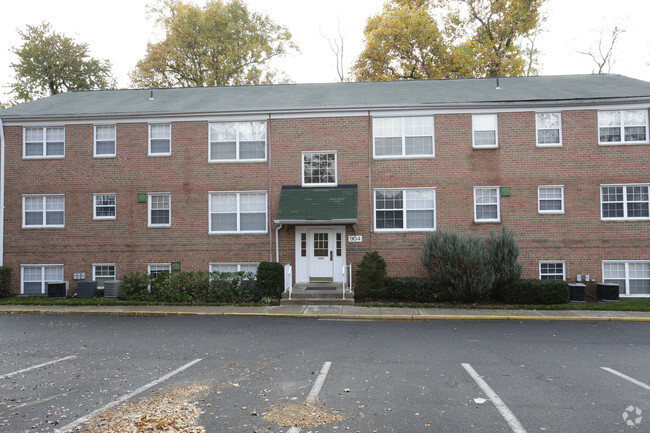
{"points": [[2, 193]]}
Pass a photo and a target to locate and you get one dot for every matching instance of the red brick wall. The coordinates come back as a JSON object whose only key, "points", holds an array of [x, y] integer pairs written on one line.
{"points": [[578, 236]]}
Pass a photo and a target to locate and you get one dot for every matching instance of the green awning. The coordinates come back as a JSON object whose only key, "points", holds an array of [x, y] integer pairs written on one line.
{"points": [[318, 205]]}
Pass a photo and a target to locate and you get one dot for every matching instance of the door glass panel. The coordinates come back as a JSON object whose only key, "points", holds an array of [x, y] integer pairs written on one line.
{"points": [[321, 245], [338, 245]]}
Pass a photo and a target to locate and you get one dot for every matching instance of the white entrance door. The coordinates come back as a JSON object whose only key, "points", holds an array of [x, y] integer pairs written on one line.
{"points": [[321, 255]]}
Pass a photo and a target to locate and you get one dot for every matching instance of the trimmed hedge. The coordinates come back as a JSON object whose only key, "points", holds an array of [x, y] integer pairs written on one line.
{"points": [[371, 277], [5, 282], [530, 291], [416, 290], [270, 279]]}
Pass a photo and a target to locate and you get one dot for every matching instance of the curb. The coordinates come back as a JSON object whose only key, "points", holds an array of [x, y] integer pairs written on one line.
{"points": [[368, 317]]}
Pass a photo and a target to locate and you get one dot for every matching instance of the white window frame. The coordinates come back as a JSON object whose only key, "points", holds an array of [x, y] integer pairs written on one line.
{"points": [[43, 282], [539, 200], [237, 144], [238, 195], [475, 117], [149, 195], [104, 276], [238, 264], [44, 225], [404, 211], [538, 128], [95, 195], [104, 155], [622, 142], [44, 155], [403, 155], [170, 140], [627, 276], [498, 203], [563, 262], [336, 168], [625, 202]]}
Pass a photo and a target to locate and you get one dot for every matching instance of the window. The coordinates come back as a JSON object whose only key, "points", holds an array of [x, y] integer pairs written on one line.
{"points": [[552, 270], [104, 206], [160, 139], [549, 129], [34, 278], [632, 277], [237, 212], [234, 267], [405, 209], [103, 272], [160, 209], [484, 129], [550, 199], [43, 211], [237, 141], [44, 142], [319, 169], [156, 269], [486, 204], [104, 141], [403, 136], [625, 126], [624, 202]]}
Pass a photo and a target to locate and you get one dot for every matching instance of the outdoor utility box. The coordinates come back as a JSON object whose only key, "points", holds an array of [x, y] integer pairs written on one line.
{"points": [[112, 289], [57, 289], [86, 289], [577, 292], [607, 292]]}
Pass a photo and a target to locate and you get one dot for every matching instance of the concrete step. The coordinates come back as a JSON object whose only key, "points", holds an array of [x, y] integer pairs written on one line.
{"points": [[328, 294], [317, 301]]}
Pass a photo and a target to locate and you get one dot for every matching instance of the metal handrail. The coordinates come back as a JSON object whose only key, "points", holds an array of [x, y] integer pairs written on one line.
{"points": [[288, 281]]}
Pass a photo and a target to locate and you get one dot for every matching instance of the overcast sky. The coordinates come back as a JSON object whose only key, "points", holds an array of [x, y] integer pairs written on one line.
{"points": [[119, 30]]}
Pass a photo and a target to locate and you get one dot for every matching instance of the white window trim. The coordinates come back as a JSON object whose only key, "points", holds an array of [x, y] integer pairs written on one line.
{"points": [[44, 156], [149, 224], [44, 226], [103, 218], [404, 209], [42, 266], [539, 201], [404, 155], [104, 155], [496, 132], [237, 159], [238, 232], [623, 142], [498, 218], [553, 261], [149, 265], [537, 128], [149, 140], [624, 185], [316, 185], [627, 276], [239, 265], [104, 264]]}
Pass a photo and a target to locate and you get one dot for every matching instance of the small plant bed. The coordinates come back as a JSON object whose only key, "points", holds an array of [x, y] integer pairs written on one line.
{"points": [[42, 300]]}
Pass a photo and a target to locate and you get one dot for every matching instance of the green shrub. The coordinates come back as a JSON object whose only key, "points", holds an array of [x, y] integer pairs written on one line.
{"points": [[5, 282], [503, 252], [460, 263], [371, 277], [135, 287], [530, 291], [231, 287], [270, 279], [416, 290]]}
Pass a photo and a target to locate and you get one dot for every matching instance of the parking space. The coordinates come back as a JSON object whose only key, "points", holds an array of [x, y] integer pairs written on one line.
{"points": [[383, 376]]}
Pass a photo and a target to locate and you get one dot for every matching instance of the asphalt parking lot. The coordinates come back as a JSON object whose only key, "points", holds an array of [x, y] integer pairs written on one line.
{"points": [[59, 373]]}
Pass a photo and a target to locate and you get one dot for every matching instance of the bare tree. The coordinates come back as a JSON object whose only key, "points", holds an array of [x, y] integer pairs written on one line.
{"points": [[336, 44], [531, 54], [603, 54]]}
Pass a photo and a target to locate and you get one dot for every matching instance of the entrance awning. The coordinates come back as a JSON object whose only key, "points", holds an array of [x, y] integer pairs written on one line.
{"points": [[315, 205]]}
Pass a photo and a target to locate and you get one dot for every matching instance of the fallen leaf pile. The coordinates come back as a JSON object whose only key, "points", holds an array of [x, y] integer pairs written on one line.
{"points": [[303, 415], [170, 411]]}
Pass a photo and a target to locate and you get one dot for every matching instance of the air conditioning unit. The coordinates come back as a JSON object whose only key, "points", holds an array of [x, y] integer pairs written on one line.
{"points": [[112, 289], [57, 289], [86, 289]]}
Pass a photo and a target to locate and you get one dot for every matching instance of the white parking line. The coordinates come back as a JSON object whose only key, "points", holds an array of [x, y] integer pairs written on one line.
{"points": [[315, 389], [86, 418], [510, 418], [37, 366], [628, 378]]}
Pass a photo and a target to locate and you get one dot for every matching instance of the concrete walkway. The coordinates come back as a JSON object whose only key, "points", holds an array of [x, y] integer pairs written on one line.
{"points": [[338, 312]]}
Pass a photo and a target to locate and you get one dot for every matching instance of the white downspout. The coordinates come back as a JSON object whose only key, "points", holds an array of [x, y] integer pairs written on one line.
{"points": [[2, 194], [277, 245]]}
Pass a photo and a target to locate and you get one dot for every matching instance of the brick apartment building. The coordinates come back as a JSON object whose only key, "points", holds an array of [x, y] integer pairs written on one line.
{"points": [[111, 182]]}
